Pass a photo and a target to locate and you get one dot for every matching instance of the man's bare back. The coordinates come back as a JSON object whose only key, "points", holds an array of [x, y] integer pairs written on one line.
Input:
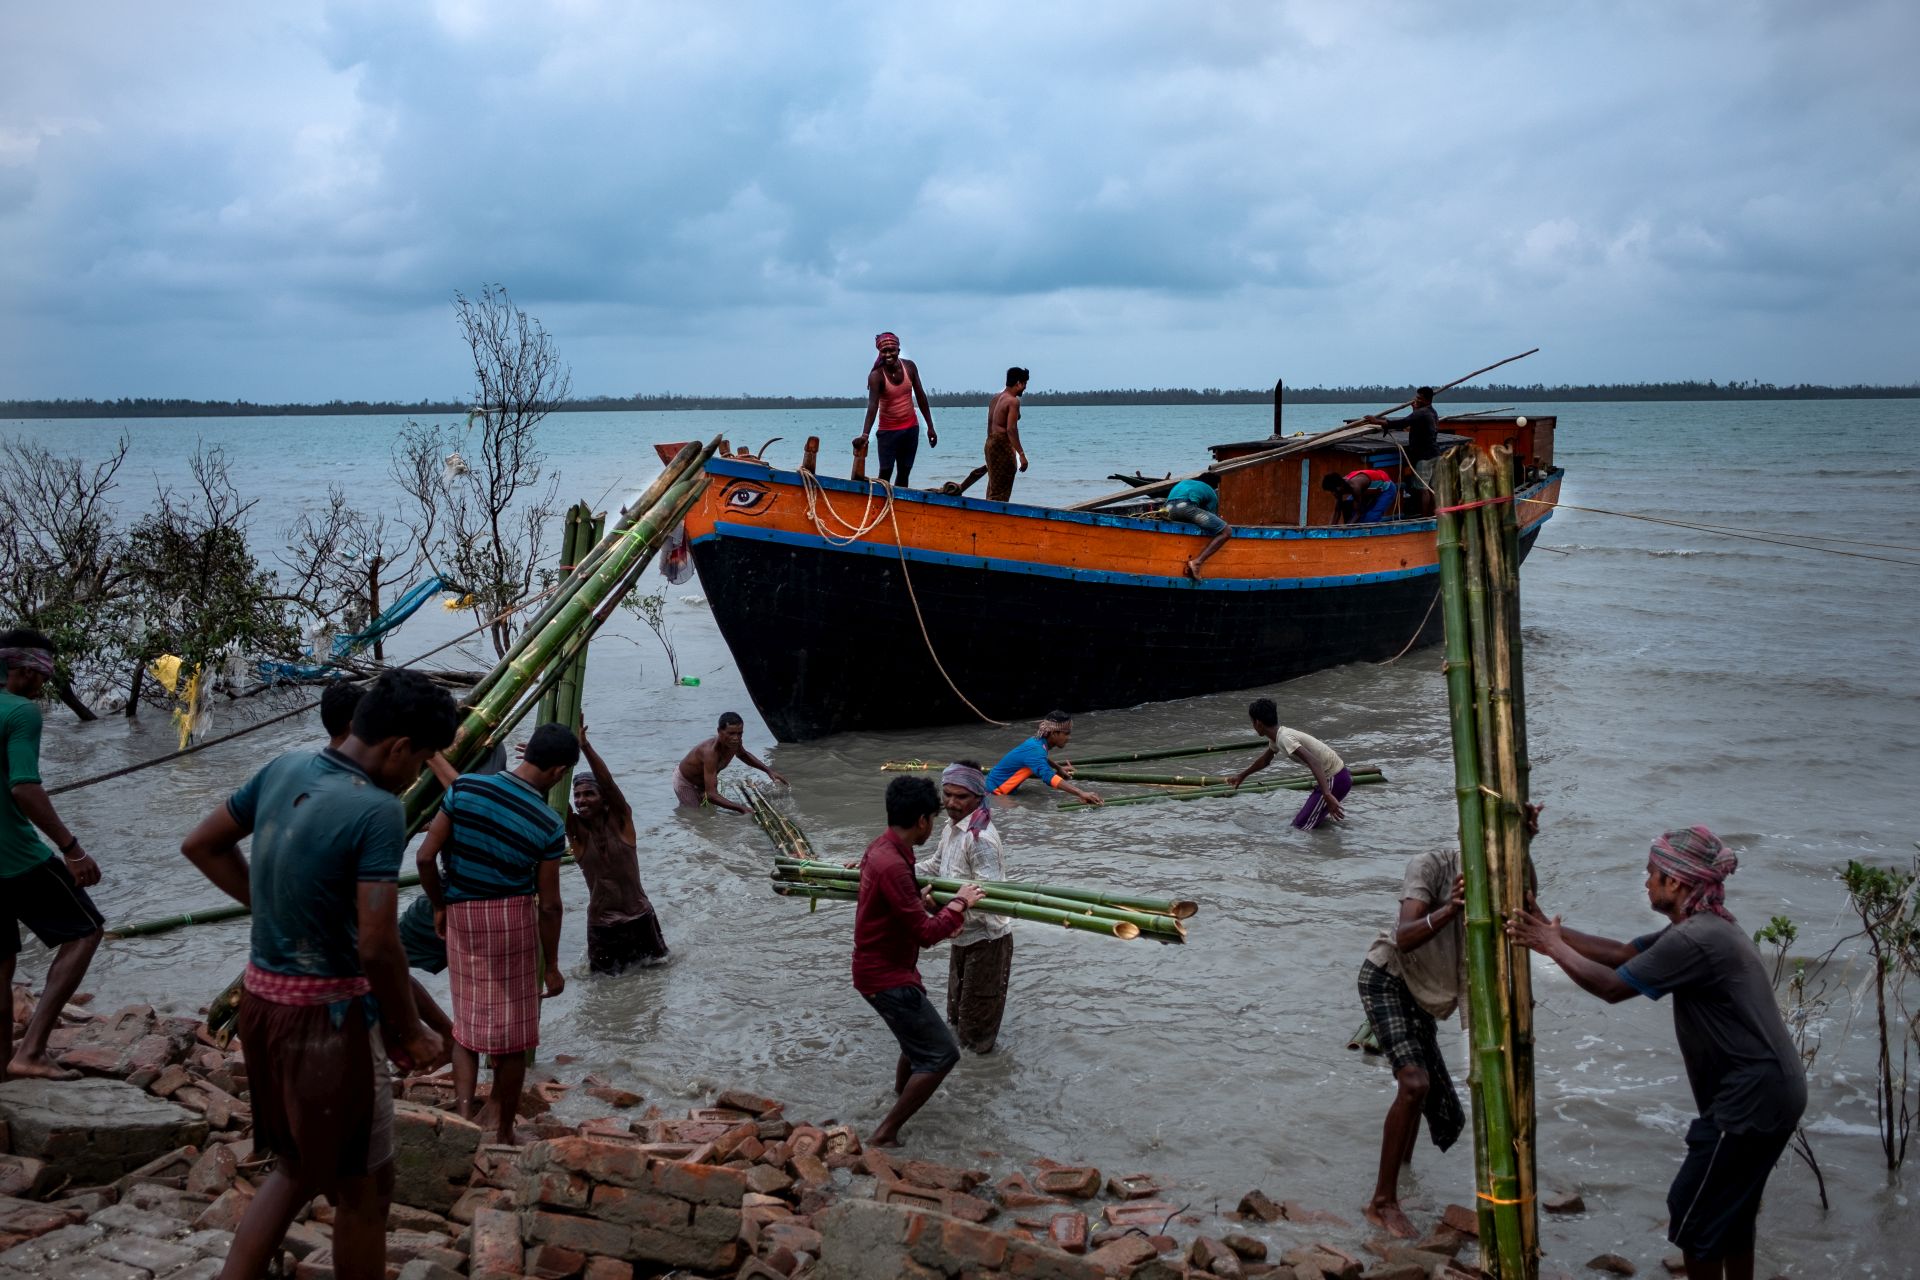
{"points": [[1003, 414]]}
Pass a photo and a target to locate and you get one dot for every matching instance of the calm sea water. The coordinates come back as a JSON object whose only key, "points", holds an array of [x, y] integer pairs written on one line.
{"points": [[1674, 677]]}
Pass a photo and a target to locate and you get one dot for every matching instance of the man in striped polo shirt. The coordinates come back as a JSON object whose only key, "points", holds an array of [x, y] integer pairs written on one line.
{"points": [[492, 851]]}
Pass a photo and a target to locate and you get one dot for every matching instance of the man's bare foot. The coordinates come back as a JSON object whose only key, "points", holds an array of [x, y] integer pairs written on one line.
{"points": [[39, 1067], [1386, 1214]]}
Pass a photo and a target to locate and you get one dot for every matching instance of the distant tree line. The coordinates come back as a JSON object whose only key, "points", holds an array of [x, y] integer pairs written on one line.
{"points": [[157, 407]]}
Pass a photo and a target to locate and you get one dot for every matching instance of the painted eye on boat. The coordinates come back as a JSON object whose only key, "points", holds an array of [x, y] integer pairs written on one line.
{"points": [[745, 497]]}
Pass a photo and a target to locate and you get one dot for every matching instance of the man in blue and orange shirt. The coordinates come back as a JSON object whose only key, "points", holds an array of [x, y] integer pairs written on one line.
{"points": [[1029, 760]]}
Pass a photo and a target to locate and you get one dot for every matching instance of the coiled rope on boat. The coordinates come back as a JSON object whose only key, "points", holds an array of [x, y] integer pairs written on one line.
{"points": [[869, 521]]}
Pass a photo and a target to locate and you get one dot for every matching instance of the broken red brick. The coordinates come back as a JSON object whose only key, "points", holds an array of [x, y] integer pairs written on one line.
{"points": [[809, 1170], [1128, 1251], [588, 1235], [1258, 1206], [1068, 1231], [1461, 1219], [942, 1177], [1141, 1213], [607, 1269], [496, 1242], [643, 1208], [1077, 1181], [213, 1172], [751, 1103], [1134, 1186]]}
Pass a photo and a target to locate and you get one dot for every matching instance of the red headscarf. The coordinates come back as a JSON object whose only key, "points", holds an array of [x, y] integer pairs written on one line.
{"points": [[1695, 857]]}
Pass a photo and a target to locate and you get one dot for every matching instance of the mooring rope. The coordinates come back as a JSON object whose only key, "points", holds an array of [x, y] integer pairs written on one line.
{"points": [[1775, 536], [816, 497]]}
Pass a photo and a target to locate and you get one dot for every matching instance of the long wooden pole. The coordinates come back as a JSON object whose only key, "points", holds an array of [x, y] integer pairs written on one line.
{"points": [[1356, 427]]}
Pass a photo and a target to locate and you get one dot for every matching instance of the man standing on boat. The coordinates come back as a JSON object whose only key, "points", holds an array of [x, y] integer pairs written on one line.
{"points": [[1003, 437], [893, 385], [1196, 502], [622, 929], [696, 780], [1747, 1078], [982, 952], [46, 893], [1422, 426], [891, 923], [1029, 760], [1331, 778]]}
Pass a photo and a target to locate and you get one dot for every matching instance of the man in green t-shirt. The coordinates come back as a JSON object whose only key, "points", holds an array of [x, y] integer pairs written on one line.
{"points": [[46, 893]]}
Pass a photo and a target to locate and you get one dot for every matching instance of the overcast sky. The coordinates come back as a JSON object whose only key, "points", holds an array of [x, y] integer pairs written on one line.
{"points": [[277, 201]]}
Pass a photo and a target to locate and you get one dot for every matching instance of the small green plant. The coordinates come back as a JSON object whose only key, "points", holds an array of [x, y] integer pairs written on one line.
{"points": [[1802, 1006], [1780, 934], [652, 610], [1883, 898]]}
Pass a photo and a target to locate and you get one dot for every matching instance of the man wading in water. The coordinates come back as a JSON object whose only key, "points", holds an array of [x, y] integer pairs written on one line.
{"points": [[1331, 778], [1747, 1078], [891, 922], [893, 385], [696, 780], [982, 952], [622, 929]]}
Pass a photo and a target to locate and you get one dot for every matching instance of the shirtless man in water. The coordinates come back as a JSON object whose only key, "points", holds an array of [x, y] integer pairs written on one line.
{"points": [[696, 780], [1003, 437]]}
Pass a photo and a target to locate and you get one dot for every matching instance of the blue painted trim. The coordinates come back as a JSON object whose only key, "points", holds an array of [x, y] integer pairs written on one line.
{"points": [[886, 550], [832, 484]]}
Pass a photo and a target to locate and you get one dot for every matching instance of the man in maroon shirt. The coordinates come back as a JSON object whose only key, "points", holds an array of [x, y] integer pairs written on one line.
{"points": [[890, 924]]}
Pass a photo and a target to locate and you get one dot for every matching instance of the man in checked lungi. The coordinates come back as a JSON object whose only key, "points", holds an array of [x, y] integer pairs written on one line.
{"points": [[982, 952], [325, 998], [491, 866]]}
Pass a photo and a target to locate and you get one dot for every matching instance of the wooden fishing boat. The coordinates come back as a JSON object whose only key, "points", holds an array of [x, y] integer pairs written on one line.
{"points": [[849, 608]]}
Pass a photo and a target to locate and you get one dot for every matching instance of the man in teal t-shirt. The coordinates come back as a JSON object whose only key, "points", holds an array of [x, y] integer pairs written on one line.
{"points": [[45, 892], [1196, 503]]}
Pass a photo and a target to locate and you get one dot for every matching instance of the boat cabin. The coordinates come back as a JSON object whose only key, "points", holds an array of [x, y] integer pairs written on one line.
{"points": [[1287, 490]]}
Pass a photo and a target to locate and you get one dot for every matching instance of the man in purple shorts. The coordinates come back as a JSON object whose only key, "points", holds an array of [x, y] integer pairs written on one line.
{"points": [[1331, 779]]}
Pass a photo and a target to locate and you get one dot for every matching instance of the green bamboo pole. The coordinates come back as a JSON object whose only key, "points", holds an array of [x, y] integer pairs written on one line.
{"points": [[552, 703], [1178, 908], [1174, 753], [1500, 540], [1150, 779], [1502, 1249], [1018, 910], [1145, 921], [1362, 777], [567, 696], [691, 455]]}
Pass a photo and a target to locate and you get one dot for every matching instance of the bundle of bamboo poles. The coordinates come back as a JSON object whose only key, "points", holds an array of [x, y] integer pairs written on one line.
{"points": [[1479, 550], [797, 873], [548, 645], [561, 705], [1365, 775], [1116, 915]]}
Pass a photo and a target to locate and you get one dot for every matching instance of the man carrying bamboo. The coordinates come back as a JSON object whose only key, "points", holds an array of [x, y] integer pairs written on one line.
{"points": [[891, 923], [622, 928], [1332, 780], [1747, 1078], [982, 952], [696, 779]]}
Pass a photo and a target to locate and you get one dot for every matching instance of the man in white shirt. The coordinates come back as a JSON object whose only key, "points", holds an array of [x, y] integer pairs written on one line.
{"points": [[982, 962], [1331, 779]]}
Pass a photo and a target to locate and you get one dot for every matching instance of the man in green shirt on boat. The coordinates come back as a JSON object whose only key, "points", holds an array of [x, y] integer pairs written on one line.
{"points": [[46, 893]]}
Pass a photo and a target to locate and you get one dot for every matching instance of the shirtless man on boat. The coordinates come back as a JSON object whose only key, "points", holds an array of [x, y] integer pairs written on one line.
{"points": [[696, 779], [1003, 437]]}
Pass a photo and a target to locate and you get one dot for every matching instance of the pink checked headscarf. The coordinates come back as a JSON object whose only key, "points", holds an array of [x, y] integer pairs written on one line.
{"points": [[1695, 857]]}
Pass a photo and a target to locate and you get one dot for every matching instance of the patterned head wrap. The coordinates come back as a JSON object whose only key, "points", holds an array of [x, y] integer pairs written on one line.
{"points": [[1695, 857], [1048, 726], [964, 775], [882, 339], [40, 660], [586, 776]]}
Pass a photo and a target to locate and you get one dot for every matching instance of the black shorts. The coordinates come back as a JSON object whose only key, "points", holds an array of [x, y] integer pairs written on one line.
{"points": [[926, 1042], [48, 901], [1715, 1198], [615, 948], [897, 450]]}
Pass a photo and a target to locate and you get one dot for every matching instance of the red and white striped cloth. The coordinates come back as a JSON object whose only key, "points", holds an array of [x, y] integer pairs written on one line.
{"points": [[296, 989], [493, 960]]}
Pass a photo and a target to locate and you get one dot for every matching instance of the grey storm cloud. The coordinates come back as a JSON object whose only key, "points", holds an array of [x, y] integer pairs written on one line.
{"points": [[278, 201]]}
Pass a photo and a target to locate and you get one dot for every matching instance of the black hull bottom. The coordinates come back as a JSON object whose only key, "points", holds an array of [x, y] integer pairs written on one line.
{"points": [[829, 642]]}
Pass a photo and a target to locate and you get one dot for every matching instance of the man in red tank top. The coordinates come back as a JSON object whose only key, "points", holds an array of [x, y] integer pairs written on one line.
{"points": [[1365, 496], [893, 386]]}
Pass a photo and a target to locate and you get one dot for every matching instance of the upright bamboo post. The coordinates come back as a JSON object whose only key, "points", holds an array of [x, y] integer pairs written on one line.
{"points": [[1502, 1240]]}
